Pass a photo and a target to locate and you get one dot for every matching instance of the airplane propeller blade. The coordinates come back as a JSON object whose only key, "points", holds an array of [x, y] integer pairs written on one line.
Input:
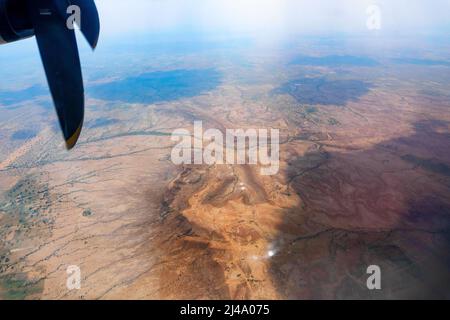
{"points": [[89, 21], [59, 54]]}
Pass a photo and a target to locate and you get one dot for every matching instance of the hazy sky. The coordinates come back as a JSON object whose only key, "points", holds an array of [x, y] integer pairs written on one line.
{"points": [[271, 16]]}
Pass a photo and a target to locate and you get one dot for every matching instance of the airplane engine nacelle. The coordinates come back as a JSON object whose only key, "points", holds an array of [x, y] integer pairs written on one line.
{"points": [[15, 23]]}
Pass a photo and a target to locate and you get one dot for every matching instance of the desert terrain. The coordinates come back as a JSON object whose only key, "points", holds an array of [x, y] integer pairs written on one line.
{"points": [[364, 177]]}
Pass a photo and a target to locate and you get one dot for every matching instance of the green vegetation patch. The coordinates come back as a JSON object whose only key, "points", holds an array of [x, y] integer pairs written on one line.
{"points": [[18, 287]]}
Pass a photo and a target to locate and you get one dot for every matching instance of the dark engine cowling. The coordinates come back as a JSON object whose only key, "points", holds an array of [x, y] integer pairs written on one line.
{"points": [[15, 23]]}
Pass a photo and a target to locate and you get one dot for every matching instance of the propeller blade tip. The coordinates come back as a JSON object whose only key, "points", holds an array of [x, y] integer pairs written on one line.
{"points": [[72, 141]]}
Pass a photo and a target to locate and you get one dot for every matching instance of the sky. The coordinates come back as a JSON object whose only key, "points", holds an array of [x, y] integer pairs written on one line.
{"points": [[265, 17], [267, 20]]}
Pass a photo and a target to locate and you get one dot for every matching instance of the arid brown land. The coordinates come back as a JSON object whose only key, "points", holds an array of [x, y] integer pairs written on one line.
{"points": [[364, 180]]}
